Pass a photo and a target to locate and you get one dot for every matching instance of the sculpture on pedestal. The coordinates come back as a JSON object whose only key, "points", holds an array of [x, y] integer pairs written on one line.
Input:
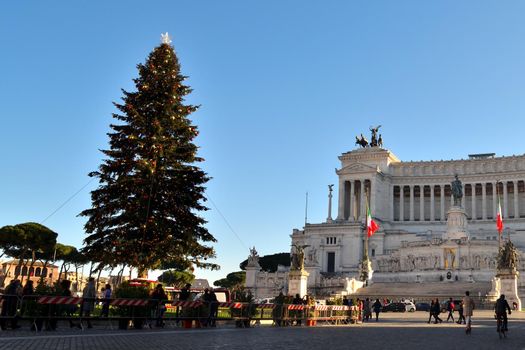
{"points": [[253, 258], [457, 191], [508, 257], [297, 258]]}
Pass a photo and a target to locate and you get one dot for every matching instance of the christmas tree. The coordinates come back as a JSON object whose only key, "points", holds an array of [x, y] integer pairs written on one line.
{"points": [[145, 210]]}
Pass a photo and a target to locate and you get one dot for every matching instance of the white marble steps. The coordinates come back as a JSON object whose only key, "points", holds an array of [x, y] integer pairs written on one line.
{"points": [[430, 289]]}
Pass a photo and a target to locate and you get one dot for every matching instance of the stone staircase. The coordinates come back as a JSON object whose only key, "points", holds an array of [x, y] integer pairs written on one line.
{"points": [[423, 290]]}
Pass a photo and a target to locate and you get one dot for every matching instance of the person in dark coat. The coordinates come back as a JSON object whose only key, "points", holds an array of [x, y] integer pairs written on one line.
{"points": [[367, 313], [501, 308], [431, 310], [185, 293], [450, 309], [9, 306], [377, 308], [461, 315], [159, 297], [436, 311]]}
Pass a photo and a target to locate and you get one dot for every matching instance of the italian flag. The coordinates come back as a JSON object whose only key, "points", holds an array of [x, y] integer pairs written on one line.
{"points": [[499, 219], [371, 225]]}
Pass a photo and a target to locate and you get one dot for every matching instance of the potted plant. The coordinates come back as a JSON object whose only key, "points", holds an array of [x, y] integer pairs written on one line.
{"points": [[31, 307], [310, 302], [137, 314], [243, 296]]}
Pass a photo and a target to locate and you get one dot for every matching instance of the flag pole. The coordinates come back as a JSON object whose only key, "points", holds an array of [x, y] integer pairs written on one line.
{"points": [[499, 205], [306, 210], [366, 227]]}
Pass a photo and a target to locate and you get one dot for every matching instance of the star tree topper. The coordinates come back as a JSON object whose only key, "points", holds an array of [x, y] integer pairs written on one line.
{"points": [[165, 38]]}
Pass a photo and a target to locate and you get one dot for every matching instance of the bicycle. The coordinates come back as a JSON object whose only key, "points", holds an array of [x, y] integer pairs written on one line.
{"points": [[501, 324]]}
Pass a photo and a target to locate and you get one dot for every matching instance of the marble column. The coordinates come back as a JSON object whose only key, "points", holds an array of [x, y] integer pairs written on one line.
{"points": [[464, 198], [351, 200], [362, 201], [411, 203], [372, 194], [484, 200], [342, 200], [422, 203], [442, 202], [505, 198], [391, 196], [494, 200], [401, 203], [432, 208], [516, 202], [473, 209]]}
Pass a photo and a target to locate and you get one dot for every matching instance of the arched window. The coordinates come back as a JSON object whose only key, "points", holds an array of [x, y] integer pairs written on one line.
{"points": [[31, 271], [17, 270], [37, 272], [44, 272], [24, 271]]}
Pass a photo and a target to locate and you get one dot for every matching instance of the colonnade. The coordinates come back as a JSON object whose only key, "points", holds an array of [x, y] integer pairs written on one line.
{"points": [[431, 202], [352, 199]]}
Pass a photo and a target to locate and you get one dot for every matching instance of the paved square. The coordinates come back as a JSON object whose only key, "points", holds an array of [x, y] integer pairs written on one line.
{"points": [[393, 331]]}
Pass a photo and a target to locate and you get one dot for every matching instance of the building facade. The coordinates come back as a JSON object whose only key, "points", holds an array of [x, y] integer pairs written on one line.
{"points": [[411, 201]]}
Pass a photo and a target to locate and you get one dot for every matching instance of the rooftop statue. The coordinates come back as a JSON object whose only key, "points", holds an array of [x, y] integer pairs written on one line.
{"points": [[375, 139], [457, 190], [373, 142], [363, 142]]}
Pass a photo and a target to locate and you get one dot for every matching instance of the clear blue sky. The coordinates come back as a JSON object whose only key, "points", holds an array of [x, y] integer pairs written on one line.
{"points": [[284, 88]]}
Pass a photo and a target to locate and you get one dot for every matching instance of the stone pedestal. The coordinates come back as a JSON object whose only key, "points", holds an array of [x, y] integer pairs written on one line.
{"points": [[251, 277], [508, 285], [456, 224], [297, 282]]}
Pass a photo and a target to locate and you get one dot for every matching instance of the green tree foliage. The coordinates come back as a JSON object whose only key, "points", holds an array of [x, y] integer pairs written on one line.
{"points": [[176, 278], [234, 280], [269, 262], [150, 192], [28, 242]]}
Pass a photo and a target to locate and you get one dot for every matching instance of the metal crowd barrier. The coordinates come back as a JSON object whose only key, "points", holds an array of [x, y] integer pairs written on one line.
{"points": [[44, 312]]}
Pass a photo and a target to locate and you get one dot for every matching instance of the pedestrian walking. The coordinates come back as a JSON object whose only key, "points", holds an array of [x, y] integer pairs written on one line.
{"points": [[460, 312], [10, 303], [436, 310], [431, 311], [106, 302], [450, 309], [159, 299], [366, 310], [468, 308], [214, 308], [377, 308], [88, 300]]}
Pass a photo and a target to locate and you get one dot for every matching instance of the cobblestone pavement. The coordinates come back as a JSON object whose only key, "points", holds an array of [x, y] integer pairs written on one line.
{"points": [[393, 331]]}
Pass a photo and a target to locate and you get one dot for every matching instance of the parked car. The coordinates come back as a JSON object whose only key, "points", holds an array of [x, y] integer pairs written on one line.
{"points": [[423, 307], [409, 306], [395, 307], [444, 305]]}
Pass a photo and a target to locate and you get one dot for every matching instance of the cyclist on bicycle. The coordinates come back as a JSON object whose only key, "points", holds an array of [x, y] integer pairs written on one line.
{"points": [[501, 308]]}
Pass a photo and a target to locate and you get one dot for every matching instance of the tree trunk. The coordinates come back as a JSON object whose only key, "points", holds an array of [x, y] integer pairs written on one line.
{"points": [[30, 266], [142, 272], [120, 274], [98, 277], [61, 269], [2, 279], [20, 262]]}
